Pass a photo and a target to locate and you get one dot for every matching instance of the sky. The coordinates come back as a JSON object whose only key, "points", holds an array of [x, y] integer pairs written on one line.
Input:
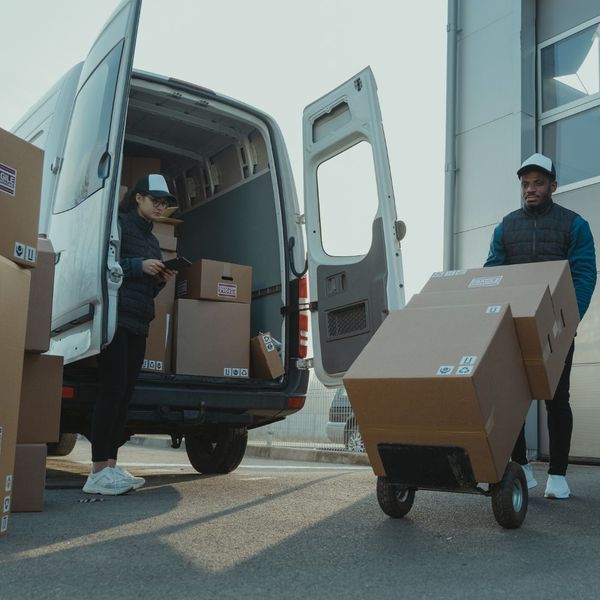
{"points": [[277, 56]]}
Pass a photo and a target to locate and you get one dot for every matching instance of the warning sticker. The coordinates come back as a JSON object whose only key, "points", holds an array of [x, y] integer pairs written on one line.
{"points": [[20, 250], [8, 483], [30, 254], [464, 370], [468, 360], [4, 524], [6, 504], [445, 370], [226, 290], [235, 372], [478, 282], [493, 310], [8, 179]]}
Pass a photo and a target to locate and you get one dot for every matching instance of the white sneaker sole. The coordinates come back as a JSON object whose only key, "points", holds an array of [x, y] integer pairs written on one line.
{"points": [[552, 496], [106, 491]]}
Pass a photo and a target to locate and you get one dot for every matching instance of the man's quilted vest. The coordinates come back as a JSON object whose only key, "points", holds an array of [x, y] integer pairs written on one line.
{"points": [[530, 236]]}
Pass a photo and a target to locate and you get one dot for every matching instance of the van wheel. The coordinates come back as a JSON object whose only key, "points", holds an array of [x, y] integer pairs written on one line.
{"points": [[218, 451], [64, 446]]}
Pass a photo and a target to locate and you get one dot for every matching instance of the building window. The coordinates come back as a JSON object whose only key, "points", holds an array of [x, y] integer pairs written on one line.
{"points": [[569, 103]]}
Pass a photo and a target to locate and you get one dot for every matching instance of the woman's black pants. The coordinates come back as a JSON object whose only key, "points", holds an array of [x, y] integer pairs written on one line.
{"points": [[119, 365]]}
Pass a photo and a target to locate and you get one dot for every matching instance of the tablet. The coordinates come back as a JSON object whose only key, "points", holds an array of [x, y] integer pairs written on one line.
{"points": [[177, 264]]}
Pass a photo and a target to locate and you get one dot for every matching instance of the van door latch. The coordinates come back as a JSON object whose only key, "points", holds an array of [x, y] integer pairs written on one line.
{"points": [[115, 274], [56, 165]]}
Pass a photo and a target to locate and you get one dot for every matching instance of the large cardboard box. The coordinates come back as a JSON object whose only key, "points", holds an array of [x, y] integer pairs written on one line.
{"points": [[39, 318], [20, 192], [443, 376], [135, 167], [215, 280], [212, 338], [157, 358], [264, 358], [533, 313], [29, 478], [41, 398], [14, 298]]}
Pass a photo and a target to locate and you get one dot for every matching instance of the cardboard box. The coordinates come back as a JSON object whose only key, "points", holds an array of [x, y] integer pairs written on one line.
{"points": [[443, 376], [533, 314], [157, 358], [20, 193], [211, 338], [135, 167], [14, 298], [264, 358], [215, 280], [39, 318], [166, 242], [41, 398], [29, 478]]}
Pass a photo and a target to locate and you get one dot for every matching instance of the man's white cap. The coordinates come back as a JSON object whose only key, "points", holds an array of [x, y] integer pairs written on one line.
{"points": [[538, 162]]}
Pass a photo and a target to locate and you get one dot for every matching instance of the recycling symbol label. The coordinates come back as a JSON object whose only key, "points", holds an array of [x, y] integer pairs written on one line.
{"points": [[464, 370]]}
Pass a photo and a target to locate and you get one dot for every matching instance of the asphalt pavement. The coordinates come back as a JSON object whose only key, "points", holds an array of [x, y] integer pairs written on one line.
{"points": [[292, 529]]}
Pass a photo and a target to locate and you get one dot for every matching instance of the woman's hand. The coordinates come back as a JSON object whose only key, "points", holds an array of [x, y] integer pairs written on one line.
{"points": [[152, 266]]}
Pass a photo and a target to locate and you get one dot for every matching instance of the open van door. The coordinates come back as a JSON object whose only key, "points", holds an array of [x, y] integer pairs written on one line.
{"points": [[353, 236], [83, 227]]}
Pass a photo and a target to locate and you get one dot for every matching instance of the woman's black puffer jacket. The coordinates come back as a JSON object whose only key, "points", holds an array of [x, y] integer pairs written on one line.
{"points": [[136, 295]]}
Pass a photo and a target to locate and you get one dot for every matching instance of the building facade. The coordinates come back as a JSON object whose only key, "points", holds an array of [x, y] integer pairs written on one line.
{"points": [[524, 77]]}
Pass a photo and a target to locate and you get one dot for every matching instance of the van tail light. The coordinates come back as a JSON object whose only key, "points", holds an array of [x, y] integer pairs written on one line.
{"points": [[303, 317], [296, 402], [68, 392]]}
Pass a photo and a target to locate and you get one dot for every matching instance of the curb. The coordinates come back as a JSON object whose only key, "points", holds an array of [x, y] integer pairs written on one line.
{"points": [[272, 452]]}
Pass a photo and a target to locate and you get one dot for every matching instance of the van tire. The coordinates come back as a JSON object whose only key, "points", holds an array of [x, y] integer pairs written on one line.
{"points": [[64, 446], [218, 451]]}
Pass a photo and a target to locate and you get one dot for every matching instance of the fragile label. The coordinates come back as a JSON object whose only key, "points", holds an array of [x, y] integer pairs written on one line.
{"points": [[468, 360], [8, 179], [445, 370], [464, 370], [4, 524], [478, 282], [6, 504], [8, 483], [23, 252], [235, 372], [493, 310], [227, 290]]}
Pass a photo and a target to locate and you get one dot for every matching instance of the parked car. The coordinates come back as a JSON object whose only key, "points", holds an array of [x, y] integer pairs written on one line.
{"points": [[342, 427]]}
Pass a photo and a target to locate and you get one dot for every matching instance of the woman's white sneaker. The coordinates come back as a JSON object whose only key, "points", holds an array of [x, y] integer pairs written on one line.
{"points": [[107, 483], [531, 480], [136, 482], [557, 487]]}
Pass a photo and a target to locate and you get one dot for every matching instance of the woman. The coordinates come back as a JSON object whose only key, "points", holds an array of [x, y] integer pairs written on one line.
{"points": [[144, 275]]}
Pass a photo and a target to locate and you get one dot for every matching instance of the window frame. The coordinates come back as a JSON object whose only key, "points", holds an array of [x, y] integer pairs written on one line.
{"points": [[565, 110]]}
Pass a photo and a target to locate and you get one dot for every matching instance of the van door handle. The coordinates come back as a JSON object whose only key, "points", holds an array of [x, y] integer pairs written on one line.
{"points": [[56, 165], [104, 166]]}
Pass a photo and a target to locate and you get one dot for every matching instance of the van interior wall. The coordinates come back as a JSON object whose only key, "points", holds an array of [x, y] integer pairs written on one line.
{"points": [[240, 226]]}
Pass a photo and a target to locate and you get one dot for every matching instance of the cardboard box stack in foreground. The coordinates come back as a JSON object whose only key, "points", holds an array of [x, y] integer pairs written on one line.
{"points": [[460, 365], [212, 320]]}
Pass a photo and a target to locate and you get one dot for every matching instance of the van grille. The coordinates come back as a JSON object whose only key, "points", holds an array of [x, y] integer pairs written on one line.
{"points": [[348, 320]]}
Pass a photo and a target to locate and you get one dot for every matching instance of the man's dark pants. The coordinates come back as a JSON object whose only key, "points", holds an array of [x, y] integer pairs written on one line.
{"points": [[560, 425]]}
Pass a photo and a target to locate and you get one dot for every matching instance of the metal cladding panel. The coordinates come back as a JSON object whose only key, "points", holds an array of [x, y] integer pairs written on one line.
{"points": [[487, 186], [556, 16], [475, 14], [471, 247], [587, 342], [487, 86]]}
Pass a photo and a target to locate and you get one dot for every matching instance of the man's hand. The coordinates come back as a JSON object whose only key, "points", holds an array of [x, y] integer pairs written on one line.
{"points": [[152, 266], [167, 274]]}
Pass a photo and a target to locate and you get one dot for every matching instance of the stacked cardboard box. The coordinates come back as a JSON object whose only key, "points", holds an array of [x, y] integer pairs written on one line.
{"points": [[212, 320], [265, 362], [459, 366]]}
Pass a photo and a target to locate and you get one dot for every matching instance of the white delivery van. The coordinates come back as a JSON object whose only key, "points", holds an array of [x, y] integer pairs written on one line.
{"points": [[238, 204]]}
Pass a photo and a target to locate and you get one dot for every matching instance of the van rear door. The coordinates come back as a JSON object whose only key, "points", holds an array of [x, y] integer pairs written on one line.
{"points": [[83, 227], [353, 236]]}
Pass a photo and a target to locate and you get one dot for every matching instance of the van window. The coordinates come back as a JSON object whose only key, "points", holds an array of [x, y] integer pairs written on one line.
{"points": [[348, 201], [89, 130]]}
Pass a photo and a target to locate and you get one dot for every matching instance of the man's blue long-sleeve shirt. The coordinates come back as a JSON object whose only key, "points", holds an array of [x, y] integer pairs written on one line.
{"points": [[581, 256]]}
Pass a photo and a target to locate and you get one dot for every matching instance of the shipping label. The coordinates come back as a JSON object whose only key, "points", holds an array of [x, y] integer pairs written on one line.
{"points": [[468, 360], [445, 370], [464, 370], [8, 179], [478, 282], [4, 524], [235, 372], [226, 290], [493, 310]]}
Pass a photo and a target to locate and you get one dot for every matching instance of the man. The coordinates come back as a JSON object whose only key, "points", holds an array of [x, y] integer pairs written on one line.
{"points": [[538, 231]]}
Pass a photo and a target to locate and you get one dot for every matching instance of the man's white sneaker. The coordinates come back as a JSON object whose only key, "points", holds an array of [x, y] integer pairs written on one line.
{"points": [[107, 483], [531, 480], [136, 482], [557, 487]]}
